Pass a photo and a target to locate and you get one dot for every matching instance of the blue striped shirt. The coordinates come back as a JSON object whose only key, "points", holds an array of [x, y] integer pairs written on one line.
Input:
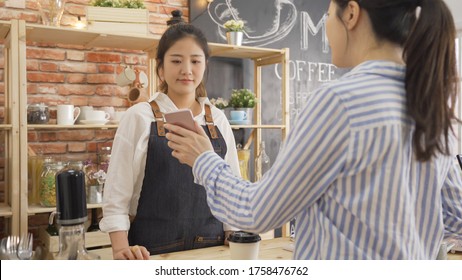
{"points": [[348, 173]]}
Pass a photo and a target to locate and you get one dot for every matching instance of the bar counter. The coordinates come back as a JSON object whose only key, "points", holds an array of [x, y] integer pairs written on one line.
{"points": [[271, 249]]}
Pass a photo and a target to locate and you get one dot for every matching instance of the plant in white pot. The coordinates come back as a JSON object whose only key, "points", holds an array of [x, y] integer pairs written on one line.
{"points": [[118, 16], [243, 101], [234, 31]]}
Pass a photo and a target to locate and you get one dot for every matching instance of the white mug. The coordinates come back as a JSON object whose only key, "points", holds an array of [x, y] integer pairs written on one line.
{"points": [[97, 115], [83, 112], [67, 114], [126, 77]]}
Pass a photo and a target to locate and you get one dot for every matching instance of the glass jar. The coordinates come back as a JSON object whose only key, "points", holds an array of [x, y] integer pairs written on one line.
{"points": [[104, 157], [38, 114], [48, 183]]}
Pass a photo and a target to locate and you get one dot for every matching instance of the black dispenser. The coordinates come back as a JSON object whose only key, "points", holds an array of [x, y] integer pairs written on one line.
{"points": [[71, 202]]}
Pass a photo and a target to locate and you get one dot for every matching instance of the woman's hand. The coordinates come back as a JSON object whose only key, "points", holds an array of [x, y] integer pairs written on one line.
{"points": [[187, 145], [131, 253]]}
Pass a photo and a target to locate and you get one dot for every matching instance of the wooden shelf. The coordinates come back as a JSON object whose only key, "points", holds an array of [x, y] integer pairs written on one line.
{"points": [[70, 36], [6, 126], [263, 126], [5, 211], [76, 126], [37, 209]]}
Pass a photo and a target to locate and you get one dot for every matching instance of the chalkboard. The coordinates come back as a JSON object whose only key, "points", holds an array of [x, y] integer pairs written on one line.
{"points": [[295, 24]]}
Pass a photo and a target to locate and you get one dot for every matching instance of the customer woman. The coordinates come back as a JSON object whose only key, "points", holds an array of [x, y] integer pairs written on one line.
{"points": [[368, 169], [148, 192]]}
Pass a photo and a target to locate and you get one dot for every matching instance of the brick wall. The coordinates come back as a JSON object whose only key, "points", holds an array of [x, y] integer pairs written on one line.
{"points": [[64, 74]]}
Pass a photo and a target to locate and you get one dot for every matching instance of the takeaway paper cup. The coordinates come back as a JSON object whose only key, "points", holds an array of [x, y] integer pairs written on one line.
{"points": [[244, 245]]}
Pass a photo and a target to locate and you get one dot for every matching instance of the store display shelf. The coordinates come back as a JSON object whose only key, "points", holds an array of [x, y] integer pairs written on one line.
{"points": [[75, 126], [5, 211], [37, 209]]}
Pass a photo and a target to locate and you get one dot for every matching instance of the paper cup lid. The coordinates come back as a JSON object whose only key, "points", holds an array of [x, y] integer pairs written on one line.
{"points": [[243, 237]]}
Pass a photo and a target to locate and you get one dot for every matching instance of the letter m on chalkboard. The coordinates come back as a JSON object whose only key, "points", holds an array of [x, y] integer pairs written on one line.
{"points": [[307, 26]]}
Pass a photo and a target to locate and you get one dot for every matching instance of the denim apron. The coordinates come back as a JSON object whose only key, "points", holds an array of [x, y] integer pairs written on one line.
{"points": [[172, 213]]}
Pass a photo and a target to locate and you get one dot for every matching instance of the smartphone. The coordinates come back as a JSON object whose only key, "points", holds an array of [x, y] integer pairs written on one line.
{"points": [[182, 117]]}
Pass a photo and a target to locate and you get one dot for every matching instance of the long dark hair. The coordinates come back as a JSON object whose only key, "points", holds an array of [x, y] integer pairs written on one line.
{"points": [[432, 83], [171, 36]]}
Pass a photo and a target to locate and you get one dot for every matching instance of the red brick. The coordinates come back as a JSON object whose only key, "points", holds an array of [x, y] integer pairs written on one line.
{"points": [[79, 100], [158, 18], [77, 67], [32, 65], [48, 67], [100, 79], [31, 88], [46, 89], [53, 148], [76, 78], [45, 77], [181, 3], [111, 90], [71, 89], [74, 147], [103, 57], [76, 135], [75, 55], [32, 136], [45, 54], [47, 136], [106, 68]]}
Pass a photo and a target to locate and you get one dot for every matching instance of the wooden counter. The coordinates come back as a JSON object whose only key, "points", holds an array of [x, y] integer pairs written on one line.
{"points": [[271, 249]]}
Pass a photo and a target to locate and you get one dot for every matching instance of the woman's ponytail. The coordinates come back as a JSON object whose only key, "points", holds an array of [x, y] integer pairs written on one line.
{"points": [[432, 83]]}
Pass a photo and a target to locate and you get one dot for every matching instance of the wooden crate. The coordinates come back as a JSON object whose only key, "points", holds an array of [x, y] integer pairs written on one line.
{"points": [[117, 20], [94, 239]]}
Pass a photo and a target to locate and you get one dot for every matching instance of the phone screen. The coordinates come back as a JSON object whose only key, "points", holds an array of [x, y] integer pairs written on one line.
{"points": [[182, 117]]}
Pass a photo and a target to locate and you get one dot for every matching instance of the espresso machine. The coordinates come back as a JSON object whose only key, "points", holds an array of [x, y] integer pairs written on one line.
{"points": [[71, 213]]}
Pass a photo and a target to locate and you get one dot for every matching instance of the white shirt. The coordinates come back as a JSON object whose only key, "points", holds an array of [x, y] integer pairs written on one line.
{"points": [[128, 159]]}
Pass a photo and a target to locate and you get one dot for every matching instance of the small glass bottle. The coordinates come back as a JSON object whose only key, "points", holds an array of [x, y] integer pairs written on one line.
{"points": [[262, 162], [38, 114]]}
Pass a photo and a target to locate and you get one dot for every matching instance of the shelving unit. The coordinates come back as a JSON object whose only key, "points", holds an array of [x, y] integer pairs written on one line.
{"points": [[52, 35], [10, 207]]}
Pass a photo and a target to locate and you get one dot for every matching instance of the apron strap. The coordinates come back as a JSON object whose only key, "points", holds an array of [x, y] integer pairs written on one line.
{"points": [[159, 118], [209, 122]]}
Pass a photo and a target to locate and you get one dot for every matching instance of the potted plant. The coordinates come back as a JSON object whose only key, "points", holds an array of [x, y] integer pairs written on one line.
{"points": [[220, 103], [234, 31], [118, 16], [243, 101]]}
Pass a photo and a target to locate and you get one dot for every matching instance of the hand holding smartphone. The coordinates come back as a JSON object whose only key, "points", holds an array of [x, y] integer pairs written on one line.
{"points": [[182, 117]]}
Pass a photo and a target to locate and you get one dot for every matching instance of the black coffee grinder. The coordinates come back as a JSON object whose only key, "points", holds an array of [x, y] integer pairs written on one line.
{"points": [[71, 211]]}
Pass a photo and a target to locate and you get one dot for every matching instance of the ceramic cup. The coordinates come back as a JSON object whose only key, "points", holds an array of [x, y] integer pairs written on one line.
{"points": [[83, 112], [97, 115], [126, 77], [143, 78], [238, 115], [244, 245], [110, 110], [67, 114]]}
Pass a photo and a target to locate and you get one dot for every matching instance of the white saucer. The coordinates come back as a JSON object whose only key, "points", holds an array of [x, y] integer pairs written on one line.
{"points": [[97, 122], [235, 122]]}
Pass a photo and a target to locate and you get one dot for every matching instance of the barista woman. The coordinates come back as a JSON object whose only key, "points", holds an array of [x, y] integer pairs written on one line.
{"points": [[368, 169], [148, 193]]}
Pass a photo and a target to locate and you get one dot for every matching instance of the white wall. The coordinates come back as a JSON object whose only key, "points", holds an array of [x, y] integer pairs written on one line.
{"points": [[456, 9]]}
